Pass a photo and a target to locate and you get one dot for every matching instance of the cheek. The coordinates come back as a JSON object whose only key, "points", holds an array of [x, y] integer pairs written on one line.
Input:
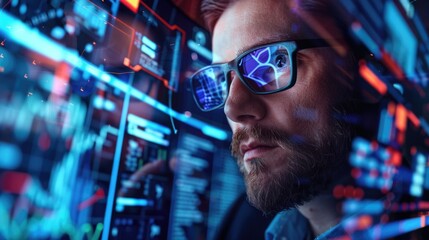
{"points": [[305, 112]]}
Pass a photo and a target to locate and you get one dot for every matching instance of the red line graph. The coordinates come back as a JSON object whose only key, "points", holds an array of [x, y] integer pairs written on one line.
{"points": [[98, 195]]}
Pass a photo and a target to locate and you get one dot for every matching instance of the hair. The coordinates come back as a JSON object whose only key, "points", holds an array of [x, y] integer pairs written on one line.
{"points": [[212, 9]]}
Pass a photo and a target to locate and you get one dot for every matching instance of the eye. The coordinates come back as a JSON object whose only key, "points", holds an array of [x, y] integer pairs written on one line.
{"points": [[280, 60]]}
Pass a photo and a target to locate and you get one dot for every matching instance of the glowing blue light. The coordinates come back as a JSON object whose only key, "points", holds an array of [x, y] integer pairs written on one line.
{"points": [[214, 132], [384, 183], [60, 12], [371, 163], [35, 41], [200, 50], [149, 43], [385, 125], [148, 51], [205, 128], [363, 206], [420, 169], [409, 8], [118, 84], [94, 71], [109, 106], [163, 108], [384, 154], [361, 145], [150, 101], [132, 201], [29, 38], [7, 60], [369, 181], [389, 230], [98, 102], [58, 32], [146, 123], [399, 87], [400, 35], [421, 159], [411, 224], [105, 104], [416, 190], [116, 163], [74, 59], [426, 183], [89, 47], [105, 77], [23, 9], [11, 156], [356, 160], [148, 47]]}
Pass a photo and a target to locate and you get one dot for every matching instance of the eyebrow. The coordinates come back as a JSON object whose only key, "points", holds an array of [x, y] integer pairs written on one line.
{"points": [[265, 40]]}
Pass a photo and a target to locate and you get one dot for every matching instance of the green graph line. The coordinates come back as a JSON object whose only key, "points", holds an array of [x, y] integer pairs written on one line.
{"points": [[57, 225]]}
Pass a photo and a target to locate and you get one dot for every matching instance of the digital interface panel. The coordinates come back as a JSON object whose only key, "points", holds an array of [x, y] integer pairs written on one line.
{"points": [[390, 165], [99, 137]]}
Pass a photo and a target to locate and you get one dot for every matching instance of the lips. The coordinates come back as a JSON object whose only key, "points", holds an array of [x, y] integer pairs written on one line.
{"points": [[255, 150]]}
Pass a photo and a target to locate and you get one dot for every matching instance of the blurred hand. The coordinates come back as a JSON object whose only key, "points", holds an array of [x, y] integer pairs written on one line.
{"points": [[154, 167]]}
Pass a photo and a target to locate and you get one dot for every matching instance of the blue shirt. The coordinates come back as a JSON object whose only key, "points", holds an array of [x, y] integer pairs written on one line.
{"points": [[292, 225]]}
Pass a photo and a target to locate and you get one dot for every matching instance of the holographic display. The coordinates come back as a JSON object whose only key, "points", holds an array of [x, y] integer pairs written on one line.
{"points": [[390, 163], [94, 111]]}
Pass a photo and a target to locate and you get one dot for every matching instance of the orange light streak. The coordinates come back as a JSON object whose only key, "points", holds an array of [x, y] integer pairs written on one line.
{"points": [[391, 108], [131, 4], [413, 118], [372, 79], [392, 65], [401, 118]]}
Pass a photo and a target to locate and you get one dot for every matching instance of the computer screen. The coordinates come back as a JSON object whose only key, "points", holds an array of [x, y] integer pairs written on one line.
{"points": [[99, 136]]}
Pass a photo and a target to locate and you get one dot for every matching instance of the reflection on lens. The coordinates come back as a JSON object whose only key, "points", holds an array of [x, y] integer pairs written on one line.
{"points": [[210, 87], [267, 69]]}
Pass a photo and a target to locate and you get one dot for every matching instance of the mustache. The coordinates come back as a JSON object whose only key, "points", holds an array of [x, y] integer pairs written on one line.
{"points": [[265, 135]]}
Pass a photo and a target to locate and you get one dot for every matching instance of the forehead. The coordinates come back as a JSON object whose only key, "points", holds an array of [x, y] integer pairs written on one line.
{"points": [[248, 23]]}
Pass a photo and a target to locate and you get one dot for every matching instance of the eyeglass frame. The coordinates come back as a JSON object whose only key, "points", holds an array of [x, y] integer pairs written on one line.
{"points": [[292, 46]]}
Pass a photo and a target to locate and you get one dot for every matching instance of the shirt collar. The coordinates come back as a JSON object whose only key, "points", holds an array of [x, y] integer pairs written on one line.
{"points": [[288, 225], [291, 225]]}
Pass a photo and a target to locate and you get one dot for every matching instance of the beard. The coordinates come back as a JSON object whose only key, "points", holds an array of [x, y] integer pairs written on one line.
{"points": [[311, 166]]}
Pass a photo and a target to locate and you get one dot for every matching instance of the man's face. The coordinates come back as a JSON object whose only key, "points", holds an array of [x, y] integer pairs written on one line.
{"points": [[288, 144]]}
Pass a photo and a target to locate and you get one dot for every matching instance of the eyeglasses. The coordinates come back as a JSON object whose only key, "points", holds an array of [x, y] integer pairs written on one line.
{"points": [[265, 69]]}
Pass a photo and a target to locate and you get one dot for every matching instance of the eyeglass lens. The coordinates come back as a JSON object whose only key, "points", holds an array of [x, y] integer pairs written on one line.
{"points": [[266, 69], [263, 70], [210, 87]]}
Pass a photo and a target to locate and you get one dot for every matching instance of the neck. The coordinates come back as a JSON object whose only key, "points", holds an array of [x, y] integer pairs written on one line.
{"points": [[322, 212]]}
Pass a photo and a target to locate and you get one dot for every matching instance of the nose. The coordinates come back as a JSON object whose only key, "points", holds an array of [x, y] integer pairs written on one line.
{"points": [[242, 106]]}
